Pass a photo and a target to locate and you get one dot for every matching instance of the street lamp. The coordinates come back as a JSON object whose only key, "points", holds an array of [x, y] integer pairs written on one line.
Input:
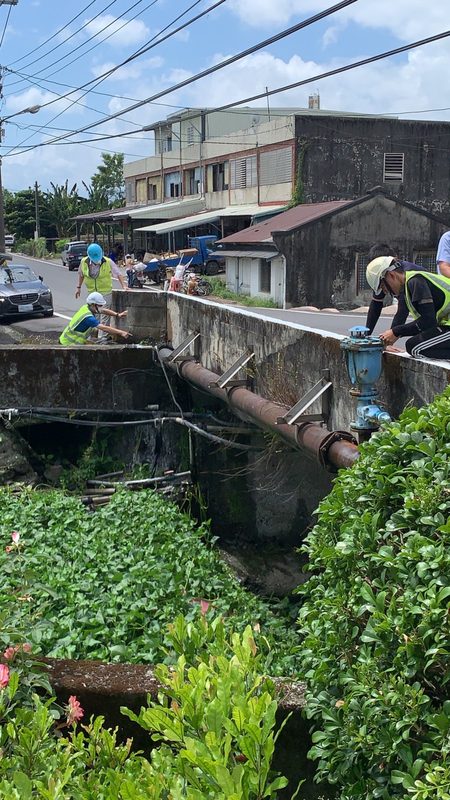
{"points": [[30, 110]]}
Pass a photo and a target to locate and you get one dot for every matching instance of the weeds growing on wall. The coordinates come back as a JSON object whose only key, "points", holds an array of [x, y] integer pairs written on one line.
{"points": [[376, 615], [219, 289], [115, 578]]}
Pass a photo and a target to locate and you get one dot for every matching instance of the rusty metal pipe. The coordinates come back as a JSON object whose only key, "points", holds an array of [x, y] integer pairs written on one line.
{"points": [[309, 438]]}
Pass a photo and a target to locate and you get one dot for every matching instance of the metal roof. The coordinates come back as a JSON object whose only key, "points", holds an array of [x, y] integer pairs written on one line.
{"points": [[208, 216], [287, 220], [171, 210], [268, 254]]}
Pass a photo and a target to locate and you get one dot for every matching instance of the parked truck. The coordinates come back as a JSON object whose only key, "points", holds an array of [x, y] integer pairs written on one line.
{"points": [[200, 255]]}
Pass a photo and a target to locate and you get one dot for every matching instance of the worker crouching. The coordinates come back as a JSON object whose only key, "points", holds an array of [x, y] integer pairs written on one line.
{"points": [[86, 320]]}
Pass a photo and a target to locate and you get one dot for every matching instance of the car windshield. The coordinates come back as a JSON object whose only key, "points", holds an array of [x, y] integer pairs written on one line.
{"points": [[16, 275], [78, 248]]}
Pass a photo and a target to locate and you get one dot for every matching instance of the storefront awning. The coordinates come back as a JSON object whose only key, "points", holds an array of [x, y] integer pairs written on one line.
{"points": [[209, 216], [171, 210]]}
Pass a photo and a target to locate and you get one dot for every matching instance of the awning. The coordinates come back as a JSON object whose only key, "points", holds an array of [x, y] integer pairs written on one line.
{"points": [[171, 210], [267, 254], [208, 216]]}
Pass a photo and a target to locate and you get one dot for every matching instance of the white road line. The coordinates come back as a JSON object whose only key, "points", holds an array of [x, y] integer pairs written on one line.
{"points": [[63, 316]]}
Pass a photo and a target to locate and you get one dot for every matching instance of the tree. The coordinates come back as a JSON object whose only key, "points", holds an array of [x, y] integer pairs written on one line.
{"points": [[61, 204], [20, 214], [109, 180]]}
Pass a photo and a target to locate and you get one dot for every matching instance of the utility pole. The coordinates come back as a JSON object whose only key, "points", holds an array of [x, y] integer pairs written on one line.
{"points": [[37, 232]]}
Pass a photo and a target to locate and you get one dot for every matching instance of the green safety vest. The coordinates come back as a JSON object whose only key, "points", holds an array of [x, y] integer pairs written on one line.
{"points": [[70, 335], [442, 313], [103, 283]]}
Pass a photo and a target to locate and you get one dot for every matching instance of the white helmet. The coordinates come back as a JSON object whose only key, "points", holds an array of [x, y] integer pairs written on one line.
{"points": [[96, 299], [377, 269]]}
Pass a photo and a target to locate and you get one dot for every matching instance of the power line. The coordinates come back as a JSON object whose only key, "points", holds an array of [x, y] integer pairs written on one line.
{"points": [[103, 77], [6, 25], [239, 56], [53, 36]]}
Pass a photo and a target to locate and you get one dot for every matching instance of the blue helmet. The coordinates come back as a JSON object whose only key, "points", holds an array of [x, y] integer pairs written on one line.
{"points": [[95, 252]]}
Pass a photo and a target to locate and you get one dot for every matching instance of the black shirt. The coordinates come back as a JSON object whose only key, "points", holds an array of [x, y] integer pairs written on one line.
{"points": [[376, 305], [427, 299]]}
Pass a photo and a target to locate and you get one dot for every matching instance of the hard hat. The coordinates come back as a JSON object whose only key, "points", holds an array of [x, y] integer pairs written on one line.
{"points": [[96, 299], [377, 269], [95, 252]]}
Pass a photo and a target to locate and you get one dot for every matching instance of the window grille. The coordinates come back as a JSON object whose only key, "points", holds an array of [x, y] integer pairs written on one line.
{"points": [[394, 167], [130, 192], [265, 275], [361, 263], [243, 172], [190, 134], [426, 259]]}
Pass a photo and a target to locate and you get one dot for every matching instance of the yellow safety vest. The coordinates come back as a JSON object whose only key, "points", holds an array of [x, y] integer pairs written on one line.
{"points": [[442, 313], [103, 283], [70, 335]]}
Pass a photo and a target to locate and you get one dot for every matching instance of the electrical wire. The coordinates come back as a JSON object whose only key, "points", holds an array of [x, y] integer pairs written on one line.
{"points": [[221, 65], [271, 92], [6, 25]]}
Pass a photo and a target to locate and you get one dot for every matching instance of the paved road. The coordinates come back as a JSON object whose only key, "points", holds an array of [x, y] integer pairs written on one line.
{"points": [[63, 285]]}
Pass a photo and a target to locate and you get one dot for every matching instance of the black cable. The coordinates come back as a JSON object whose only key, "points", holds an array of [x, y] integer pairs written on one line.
{"points": [[6, 25], [287, 32], [328, 74]]}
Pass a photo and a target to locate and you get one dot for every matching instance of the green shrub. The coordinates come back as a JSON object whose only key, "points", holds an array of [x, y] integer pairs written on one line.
{"points": [[118, 577], [60, 244], [375, 619], [219, 289], [34, 247]]}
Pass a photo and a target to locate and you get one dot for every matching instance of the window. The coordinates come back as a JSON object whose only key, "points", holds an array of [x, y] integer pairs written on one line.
{"points": [[172, 184], [141, 190], [361, 263], [220, 176], [130, 192], [152, 191], [192, 181], [276, 166], [190, 134], [265, 275], [394, 167], [243, 172], [426, 259]]}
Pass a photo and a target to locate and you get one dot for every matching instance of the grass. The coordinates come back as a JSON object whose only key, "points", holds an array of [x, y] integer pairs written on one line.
{"points": [[220, 290]]}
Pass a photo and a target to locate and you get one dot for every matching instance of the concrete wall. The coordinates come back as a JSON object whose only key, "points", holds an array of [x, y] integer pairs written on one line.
{"points": [[321, 256], [343, 158], [290, 358]]}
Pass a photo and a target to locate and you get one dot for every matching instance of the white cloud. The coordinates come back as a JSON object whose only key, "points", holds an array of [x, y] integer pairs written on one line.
{"points": [[124, 32], [406, 19], [39, 97], [130, 71]]}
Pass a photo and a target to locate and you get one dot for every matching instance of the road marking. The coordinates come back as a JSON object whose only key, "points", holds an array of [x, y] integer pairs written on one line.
{"points": [[63, 316]]}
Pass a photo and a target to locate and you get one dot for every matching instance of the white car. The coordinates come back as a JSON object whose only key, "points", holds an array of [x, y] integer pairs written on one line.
{"points": [[9, 239]]}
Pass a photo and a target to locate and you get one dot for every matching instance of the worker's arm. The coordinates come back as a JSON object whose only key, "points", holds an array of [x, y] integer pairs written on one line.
{"points": [[444, 268], [422, 300], [110, 313], [80, 284], [110, 329], [401, 315], [115, 272], [373, 314]]}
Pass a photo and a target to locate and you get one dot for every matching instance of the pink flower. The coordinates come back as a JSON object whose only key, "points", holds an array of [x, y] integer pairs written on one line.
{"points": [[11, 652], [9, 548], [4, 676], [74, 711], [15, 536], [204, 606]]}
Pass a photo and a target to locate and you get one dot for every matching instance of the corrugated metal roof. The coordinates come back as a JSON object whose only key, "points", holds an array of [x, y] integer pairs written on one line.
{"points": [[287, 220], [208, 216], [171, 210], [268, 254]]}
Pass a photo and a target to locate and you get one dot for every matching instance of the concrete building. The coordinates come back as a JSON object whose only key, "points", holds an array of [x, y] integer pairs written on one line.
{"points": [[316, 253]]}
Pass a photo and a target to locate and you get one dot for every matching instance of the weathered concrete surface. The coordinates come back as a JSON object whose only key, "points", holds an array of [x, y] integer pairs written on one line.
{"points": [[146, 316], [103, 688], [290, 358]]}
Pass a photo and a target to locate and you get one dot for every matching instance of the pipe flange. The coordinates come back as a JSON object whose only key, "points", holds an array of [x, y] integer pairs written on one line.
{"points": [[333, 436]]}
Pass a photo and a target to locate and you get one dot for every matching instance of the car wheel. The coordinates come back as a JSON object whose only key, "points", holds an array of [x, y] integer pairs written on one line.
{"points": [[212, 267]]}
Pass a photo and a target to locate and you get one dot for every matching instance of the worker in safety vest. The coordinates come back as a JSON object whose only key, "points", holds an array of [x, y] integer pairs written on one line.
{"points": [[97, 272], [86, 319], [427, 297]]}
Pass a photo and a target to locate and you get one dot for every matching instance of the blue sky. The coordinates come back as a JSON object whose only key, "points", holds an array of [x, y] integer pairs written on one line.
{"points": [[413, 85]]}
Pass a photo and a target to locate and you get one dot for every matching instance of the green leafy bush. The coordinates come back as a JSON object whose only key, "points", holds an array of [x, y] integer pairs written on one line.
{"points": [[118, 576], [375, 619], [60, 244], [34, 247], [219, 289]]}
